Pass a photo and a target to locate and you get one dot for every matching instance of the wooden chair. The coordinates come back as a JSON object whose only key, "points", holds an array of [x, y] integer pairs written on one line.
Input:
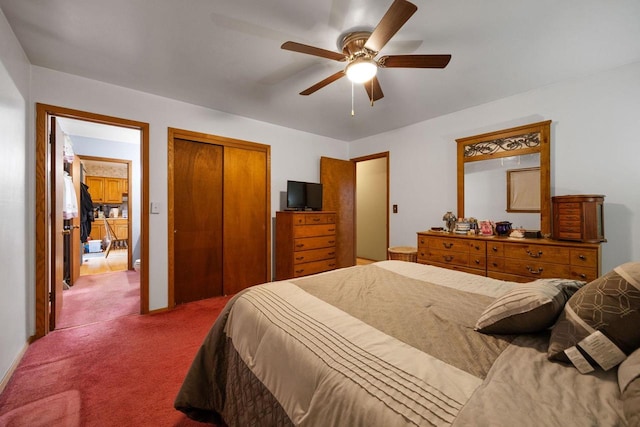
{"points": [[111, 239]]}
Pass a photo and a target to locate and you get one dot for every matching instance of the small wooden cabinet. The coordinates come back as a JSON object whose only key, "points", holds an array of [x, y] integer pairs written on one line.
{"points": [[505, 258], [106, 189], [579, 218], [119, 225], [305, 243]]}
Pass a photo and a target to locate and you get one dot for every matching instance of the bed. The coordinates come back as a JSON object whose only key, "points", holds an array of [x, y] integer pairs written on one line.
{"points": [[397, 343]]}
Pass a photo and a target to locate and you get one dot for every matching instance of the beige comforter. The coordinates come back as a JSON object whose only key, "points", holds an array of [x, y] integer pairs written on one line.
{"points": [[389, 344]]}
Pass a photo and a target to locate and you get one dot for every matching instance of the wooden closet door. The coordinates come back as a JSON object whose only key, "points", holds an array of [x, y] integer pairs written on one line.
{"points": [[245, 219], [338, 178], [197, 220]]}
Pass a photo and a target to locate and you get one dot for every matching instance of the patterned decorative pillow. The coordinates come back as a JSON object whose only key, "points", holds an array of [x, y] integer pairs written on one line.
{"points": [[600, 322], [527, 308]]}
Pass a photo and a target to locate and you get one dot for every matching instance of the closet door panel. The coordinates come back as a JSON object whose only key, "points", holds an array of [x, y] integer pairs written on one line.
{"points": [[197, 220], [245, 240]]}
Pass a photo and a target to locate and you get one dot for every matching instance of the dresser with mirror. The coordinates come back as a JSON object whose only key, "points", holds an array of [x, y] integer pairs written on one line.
{"points": [[505, 176]]}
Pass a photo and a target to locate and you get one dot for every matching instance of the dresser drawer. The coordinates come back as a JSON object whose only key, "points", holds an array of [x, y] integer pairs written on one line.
{"points": [[314, 230], [495, 249], [319, 218], [454, 245], [536, 269], [495, 263], [542, 253], [585, 258], [447, 257], [314, 243], [300, 257], [583, 273], [313, 267]]}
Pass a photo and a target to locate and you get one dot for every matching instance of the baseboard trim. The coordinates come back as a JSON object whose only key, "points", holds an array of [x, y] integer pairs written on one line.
{"points": [[13, 367]]}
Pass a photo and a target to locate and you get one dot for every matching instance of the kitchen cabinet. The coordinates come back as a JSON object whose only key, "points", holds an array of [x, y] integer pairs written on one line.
{"points": [[107, 189]]}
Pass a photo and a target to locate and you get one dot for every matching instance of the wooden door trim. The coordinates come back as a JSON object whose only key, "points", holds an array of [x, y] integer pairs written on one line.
{"points": [[129, 164], [173, 134], [42, 182], [384, 154]]}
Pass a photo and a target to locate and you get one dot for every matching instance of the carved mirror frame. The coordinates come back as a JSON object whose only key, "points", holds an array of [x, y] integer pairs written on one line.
{"points": [[527, 139]]}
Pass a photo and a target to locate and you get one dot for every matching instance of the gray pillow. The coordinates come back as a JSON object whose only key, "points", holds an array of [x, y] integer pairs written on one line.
{"points": [[528, 307], [610, 304]]}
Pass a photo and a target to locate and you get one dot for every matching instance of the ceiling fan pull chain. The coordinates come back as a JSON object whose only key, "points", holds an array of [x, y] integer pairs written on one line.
{"points": [[353, 109], [372, 94]]}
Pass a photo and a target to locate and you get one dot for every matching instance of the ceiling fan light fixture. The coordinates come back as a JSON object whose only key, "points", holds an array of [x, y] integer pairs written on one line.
{"points": [[361, 70]]}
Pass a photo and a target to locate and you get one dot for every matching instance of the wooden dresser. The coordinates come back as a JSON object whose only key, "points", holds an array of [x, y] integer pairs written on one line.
{"points": [[305, 243], [505, 258]]}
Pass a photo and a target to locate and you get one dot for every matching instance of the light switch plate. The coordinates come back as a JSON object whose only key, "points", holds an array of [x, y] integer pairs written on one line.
{"points": [[155, 207]]}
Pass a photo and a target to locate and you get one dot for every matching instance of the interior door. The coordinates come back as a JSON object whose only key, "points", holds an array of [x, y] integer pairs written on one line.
{"points": [[245, 213], [197, 220], [338, 179], [57, 223], [74, 243]]}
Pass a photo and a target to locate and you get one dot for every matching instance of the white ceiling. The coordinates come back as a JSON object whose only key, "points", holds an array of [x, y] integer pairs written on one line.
{"points": [[226, 55], [98, 131]]}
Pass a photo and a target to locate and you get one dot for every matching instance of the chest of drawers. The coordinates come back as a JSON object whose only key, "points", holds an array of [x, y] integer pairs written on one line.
{"points": [[517, 260], [305, 243]]}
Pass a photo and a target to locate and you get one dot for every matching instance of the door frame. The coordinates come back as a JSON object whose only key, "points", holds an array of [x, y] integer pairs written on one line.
{"points": [[385, 155], [43, 226]]}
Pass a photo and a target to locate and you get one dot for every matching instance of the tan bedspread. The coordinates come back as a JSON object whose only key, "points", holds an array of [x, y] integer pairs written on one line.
{"points": [[382, 345]]}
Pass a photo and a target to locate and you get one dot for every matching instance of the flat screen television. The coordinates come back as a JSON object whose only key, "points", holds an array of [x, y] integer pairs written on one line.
{"points": [[304, 196]]}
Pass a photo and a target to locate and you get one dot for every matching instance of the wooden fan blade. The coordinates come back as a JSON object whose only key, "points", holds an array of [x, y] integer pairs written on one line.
{"points": [[399, 13], [332, 78], [414, 61], [311, 50], [374, 92]]}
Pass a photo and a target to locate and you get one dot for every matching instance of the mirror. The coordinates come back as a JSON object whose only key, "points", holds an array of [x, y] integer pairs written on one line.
{"points": [[495, 172]]}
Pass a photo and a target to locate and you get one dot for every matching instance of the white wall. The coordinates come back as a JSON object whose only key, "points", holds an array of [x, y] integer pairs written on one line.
{"points": [[294, 154], [595, 150], [16, 230]]}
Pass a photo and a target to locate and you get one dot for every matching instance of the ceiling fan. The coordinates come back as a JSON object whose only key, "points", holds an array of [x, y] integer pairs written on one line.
{"points": [[359, 49]]}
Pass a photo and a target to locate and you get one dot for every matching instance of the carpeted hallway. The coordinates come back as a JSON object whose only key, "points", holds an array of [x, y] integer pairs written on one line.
{"points": [[124, 371]]}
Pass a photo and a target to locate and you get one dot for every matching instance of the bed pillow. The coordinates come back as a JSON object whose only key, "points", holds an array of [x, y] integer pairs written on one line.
{"points": [[610, 307], [528, 307], [629, 382]]}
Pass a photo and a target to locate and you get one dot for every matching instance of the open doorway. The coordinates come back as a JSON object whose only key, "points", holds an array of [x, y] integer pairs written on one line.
{"points": [[372, 207], [49, 291]]}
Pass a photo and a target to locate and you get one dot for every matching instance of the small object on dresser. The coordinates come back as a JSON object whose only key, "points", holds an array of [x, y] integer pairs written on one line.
{"points": [[437, 229], [532, 234], [503, 228], [450, 221], [579, 218]]}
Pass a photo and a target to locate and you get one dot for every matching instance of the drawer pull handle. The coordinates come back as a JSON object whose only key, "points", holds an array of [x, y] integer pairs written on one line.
{"points": [[477, 261], [300, 271], [333, 264], [447, 245], [534, 255], [332, 229], [532, 271], [583, 276], [495, 264], [494, 249], [422, 241], [447, 258], [316, 219], [582, 257], [300, 258], [332, 241], [331, 253], [300, 245], [476, 247]]}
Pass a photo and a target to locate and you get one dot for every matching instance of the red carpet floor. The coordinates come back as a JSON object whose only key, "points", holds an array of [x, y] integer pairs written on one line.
{"points": [[100, 297], [121, 372]]}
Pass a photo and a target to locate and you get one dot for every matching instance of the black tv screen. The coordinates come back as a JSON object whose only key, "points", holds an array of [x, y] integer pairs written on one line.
{"points": [[314, 196], [304, 196], [296, 195]]}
